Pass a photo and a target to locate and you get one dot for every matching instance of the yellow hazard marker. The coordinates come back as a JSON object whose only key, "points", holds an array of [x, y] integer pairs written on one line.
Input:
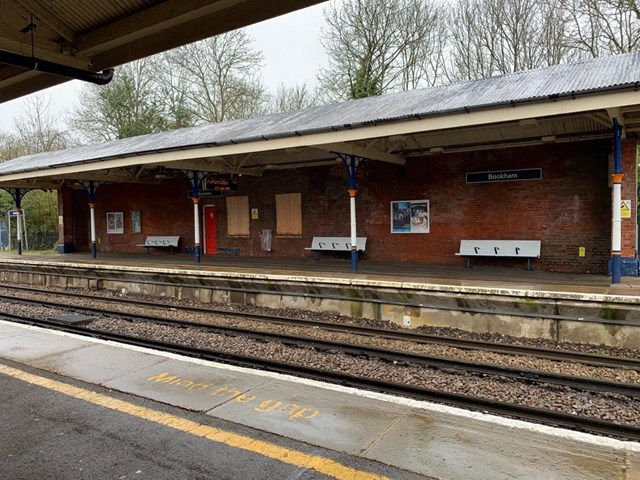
{"points": [[625, 209], [266, 449]]}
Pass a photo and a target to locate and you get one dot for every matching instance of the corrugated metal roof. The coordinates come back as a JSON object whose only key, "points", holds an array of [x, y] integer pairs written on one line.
{"points": [[622, 71]]}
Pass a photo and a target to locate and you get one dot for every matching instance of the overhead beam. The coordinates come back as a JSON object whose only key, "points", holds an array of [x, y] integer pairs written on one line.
{"points": [[166, 25], [49, 18], [600, 119], [155, 19], [216, 168], [238, 14], [107, 177], [366, 152], [25, 83], [44, 50], [38, 184]]}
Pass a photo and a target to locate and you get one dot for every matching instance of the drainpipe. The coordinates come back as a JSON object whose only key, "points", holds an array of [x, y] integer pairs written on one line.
{"points": [[616, 226], [31, 63]]}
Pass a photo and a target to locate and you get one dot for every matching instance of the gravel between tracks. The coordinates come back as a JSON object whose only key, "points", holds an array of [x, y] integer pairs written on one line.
{"points": [[477, 356], [609, 407]]}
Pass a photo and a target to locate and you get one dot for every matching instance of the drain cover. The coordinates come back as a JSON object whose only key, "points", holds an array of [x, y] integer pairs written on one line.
{"points": [[72, 319]]}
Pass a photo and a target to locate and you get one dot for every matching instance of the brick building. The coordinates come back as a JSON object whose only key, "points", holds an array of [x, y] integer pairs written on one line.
{"points": [[521, 156]]}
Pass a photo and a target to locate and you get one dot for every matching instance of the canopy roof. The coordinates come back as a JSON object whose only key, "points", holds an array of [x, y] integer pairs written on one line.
{"points": [[562, 103], [91, 35]]}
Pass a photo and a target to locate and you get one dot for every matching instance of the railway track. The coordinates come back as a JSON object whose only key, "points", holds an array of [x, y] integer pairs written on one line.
{"points": [[545, 416], [415, 337], [386, 355]]}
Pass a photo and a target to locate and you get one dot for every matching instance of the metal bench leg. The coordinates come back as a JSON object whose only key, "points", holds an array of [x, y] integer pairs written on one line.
{"points": [[528, 264]]}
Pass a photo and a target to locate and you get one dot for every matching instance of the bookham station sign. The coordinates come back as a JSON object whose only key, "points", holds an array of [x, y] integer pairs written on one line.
{"points": [[504, 176]]}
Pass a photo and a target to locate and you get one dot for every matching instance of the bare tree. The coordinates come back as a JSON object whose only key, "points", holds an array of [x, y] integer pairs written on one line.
{"points": [[492, 37], [126, 107], [175, 103], [38, 129], [604, 27], [424, 32], [295, 97], [219, 77], [10, 146], [376, 46]]}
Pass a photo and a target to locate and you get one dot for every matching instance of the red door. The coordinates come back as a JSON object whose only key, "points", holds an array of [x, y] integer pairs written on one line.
{"points": [[210, 227]]}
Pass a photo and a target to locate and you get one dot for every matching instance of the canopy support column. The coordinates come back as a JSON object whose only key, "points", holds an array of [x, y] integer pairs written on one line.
{"points": [[616, 219], [91, 186], [195, 177], [352, 162]]}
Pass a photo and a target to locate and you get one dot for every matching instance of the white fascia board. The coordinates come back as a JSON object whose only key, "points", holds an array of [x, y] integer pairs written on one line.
{"points": [[473, 118]]}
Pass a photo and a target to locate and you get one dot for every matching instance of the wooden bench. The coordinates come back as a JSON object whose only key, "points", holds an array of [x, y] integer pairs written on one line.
{"points": [[160, 241], [335, 244], [528, 249]]}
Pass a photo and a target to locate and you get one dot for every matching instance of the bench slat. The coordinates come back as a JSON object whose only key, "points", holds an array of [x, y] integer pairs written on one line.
{"points": [[528, 249], [169, 241], [337, 244], [500, 248]]}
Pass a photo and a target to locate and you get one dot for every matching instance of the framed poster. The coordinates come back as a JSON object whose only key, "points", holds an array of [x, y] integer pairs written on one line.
{"points": [[115, 222], [136, 224], [410, 216]]}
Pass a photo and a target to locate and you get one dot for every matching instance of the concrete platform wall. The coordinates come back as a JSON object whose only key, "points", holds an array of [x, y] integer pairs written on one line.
{"points": [[559, 317]]}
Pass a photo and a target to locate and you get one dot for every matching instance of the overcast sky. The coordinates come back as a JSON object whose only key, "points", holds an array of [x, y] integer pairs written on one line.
{"points": [[290, 45]]}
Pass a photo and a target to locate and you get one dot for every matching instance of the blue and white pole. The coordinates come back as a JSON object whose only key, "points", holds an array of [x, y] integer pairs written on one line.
{"points": [[352, 162], [616, 219], [195, 178]]}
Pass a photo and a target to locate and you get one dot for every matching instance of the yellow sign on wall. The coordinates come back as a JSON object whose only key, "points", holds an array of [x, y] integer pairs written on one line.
{"points": [[625, 209]]}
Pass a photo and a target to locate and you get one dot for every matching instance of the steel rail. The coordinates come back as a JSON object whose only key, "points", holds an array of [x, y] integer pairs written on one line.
{"points": [[574, 422], [415, 337], [430, 361]]}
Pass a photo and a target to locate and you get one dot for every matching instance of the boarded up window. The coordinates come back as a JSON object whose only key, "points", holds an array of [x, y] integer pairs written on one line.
{"points": [[289, 214], [238, 216]]}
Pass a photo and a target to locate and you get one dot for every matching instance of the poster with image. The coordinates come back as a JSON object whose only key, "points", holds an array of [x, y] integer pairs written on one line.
{"points": [[115, 222], [136, 224], [410, 216]]}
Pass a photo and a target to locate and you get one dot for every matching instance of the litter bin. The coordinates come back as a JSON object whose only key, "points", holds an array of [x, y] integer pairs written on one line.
{"points": [[265, 240]]}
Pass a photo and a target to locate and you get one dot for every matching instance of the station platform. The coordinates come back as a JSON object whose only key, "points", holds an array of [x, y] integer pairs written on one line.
{"points": [[492, 277], [562, 307], [431, 440]]}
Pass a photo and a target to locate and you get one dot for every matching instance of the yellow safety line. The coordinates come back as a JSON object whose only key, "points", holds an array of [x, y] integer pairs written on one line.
{"points": [[266, 449]]}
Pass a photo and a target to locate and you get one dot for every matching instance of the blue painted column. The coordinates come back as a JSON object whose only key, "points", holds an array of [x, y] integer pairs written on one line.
{"points": [[195, 177], [352, 162], [616, 219], [91, 191]]}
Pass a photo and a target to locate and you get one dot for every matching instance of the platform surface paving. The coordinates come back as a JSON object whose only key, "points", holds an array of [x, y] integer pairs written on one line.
{"points": [[428, 439]]}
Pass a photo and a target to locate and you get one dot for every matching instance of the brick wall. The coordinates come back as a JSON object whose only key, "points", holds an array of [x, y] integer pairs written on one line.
{"points": [[570, 207]]}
